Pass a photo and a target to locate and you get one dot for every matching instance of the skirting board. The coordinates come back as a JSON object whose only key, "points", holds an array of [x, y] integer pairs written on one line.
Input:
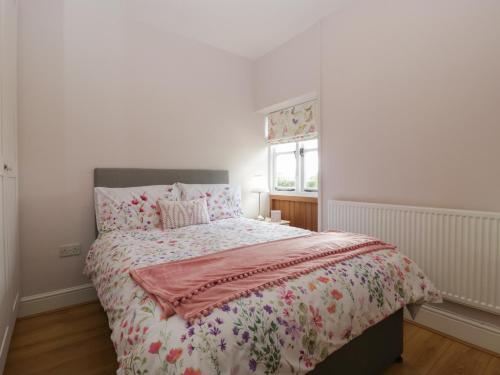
{"points": [[7, 335], [56, 299], [462, 328]]}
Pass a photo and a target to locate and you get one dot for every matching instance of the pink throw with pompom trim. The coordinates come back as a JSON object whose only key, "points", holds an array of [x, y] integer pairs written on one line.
{"points": [[194, 287]]}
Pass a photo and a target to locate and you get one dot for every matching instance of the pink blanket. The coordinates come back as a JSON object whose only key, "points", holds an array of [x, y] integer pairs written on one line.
{"points": [[193, 287]]}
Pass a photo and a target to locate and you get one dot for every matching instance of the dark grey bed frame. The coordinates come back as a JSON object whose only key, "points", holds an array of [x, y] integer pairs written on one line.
{"points": [[367, 354]]}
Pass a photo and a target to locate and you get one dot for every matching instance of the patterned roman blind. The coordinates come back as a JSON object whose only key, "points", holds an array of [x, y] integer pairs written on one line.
{"points": [[293, 123]]}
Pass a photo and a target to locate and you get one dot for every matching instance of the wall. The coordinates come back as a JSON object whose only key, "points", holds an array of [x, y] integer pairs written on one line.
{"points": [[292, 71], [410, 94], [409, 101], [117, 94]]}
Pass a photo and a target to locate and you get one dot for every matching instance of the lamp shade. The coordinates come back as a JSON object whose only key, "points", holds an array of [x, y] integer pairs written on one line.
{"points": [[258, 184], [258, 190]]}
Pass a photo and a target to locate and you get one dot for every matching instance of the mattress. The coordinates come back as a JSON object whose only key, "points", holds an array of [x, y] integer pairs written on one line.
{"points": [[284, 329]]}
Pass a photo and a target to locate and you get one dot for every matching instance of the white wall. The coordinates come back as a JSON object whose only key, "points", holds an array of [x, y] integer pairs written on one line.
{"points": [[409, 100], [100, 89], [410, 94], [289, 73]]}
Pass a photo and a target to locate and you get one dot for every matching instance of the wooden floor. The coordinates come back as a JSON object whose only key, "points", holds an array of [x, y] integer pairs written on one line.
{"points": [[76, 341]]}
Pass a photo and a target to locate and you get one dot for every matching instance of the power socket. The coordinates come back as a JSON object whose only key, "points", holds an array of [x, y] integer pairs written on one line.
{"points": [[69, 250]]}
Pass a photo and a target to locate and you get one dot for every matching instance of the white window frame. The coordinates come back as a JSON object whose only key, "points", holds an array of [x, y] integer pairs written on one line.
{"points": [[299, 171]]}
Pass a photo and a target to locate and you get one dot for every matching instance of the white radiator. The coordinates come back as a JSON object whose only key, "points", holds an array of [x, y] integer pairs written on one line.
{"points": [[458, 250]]}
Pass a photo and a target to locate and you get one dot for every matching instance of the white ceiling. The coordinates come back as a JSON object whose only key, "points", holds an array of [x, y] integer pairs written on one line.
{"points": [[248, 28]]}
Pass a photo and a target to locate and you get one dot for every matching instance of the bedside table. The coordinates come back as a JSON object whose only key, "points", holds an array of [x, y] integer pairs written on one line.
{"points": [[282, 222]]}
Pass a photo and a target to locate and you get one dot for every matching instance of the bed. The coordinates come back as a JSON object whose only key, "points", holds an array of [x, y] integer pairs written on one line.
{"points": [[347, 318]]}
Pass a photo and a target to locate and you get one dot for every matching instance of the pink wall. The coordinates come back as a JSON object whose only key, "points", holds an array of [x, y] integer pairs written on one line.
{"points": [[117, 94], [410, 98], [288, 72], [410, 94], [409, 109]]}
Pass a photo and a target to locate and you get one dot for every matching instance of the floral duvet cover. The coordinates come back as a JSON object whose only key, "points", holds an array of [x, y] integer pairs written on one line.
{"points": [[286, 329]]}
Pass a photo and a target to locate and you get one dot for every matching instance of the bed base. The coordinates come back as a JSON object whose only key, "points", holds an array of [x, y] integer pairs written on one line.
{"points": [[370, 353]]}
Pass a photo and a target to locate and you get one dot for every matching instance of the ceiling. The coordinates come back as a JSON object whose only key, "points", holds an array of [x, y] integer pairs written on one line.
{"points": [[248, 28]]}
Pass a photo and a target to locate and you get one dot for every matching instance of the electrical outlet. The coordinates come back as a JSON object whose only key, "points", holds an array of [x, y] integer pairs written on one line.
{"points": [[69, 250]]}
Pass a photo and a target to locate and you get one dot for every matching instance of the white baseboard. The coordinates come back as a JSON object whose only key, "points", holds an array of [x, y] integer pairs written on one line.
{"points": [[56, 299], [16, 301], [468, 330], [7, 335], [4, 347]]}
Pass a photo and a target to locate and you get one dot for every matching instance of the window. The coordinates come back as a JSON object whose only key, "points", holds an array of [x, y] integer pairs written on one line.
{"points": [[294, 166], [293, 148]]}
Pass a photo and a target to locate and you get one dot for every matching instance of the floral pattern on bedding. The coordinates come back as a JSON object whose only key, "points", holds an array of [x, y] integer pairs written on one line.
{"points": [[285, 329], [131, 208], [223, 200]]}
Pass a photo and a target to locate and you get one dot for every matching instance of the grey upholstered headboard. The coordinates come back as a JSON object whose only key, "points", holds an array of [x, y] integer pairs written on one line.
{"points": [[127, 177]]}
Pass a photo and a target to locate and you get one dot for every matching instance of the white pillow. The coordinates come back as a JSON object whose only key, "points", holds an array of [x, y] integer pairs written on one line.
{"points": [[223, 200], [183, 213], [131, 208]]}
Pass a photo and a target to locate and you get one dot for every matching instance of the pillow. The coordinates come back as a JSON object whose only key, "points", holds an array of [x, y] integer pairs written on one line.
{"points": [[131, 208], [183, 213], [223, 200]]}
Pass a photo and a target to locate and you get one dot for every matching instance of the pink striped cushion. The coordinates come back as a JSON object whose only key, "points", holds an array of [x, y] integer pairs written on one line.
{"points": [[176, 214]]}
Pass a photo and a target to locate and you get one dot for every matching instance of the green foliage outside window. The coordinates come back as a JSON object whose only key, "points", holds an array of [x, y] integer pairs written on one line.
{"points": [[312, 183], [285, 183]]}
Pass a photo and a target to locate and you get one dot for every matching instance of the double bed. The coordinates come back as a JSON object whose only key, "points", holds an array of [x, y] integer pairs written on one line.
{"points": [[344, 318]]}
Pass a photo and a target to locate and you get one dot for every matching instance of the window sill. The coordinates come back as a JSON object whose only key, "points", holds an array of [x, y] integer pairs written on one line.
{"points": [[294, 196], [295, 193]]}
